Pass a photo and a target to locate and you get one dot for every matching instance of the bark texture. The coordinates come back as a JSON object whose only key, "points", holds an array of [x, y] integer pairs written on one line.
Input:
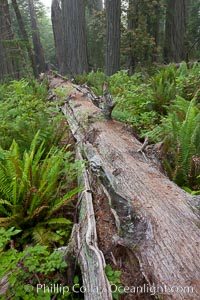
{"points": [[25, 37], [175, 31], [91, 259], [56, 17], [8, 49], [113, 14], [39, 53], [153, 22], [132, 24], [156, 221], [75, 49]]}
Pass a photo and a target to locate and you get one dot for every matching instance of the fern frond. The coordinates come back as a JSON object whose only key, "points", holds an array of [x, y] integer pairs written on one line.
{"points": [[36, 212], [63, 201], [187, 147], [61, 221], [43, 236], [11, 221]]}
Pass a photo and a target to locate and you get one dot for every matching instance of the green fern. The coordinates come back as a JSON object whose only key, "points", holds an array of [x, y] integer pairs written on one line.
{"points": [[31, 186], [181, 130], [185, 144], [164, 88]]}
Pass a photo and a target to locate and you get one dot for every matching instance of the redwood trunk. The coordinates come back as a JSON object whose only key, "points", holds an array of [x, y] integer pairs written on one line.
{"points": [[25, 37], [8, 48], [175, 31], [113, 13], [39, 53], [56, 17], [75, 49]]}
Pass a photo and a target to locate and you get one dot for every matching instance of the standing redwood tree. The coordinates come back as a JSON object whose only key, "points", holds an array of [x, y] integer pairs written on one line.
{"points": [[175, 31], [132, 24], [25, 37], [8, 49], [39, 53], [95, 28], [56, 17], [113, 14], [74, 29]]}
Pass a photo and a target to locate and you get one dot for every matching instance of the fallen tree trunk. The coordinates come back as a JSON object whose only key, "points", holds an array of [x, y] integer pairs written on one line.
{"points": [[157, 222], [91, 259]]}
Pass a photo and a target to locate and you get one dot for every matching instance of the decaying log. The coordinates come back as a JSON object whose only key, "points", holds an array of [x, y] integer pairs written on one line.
{"points": [[87, 92], [157, 221], [83, 245], [91, 259]]}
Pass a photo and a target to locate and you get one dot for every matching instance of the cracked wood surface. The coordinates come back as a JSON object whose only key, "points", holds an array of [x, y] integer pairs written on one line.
{"points": [[157, 222], [91, 259]]}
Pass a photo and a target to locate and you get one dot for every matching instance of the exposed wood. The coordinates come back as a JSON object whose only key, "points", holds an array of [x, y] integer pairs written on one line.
{"points": [[87, 92], [157, 222], [91, 259]]}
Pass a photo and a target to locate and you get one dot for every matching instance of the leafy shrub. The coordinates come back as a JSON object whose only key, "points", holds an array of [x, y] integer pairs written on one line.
{"points": [[121, 81], [114, 279], [24, 270], [165, 107], [134, 101], [23, 112], [188, 82], [94, 79], [134, 107], [36, 186]]}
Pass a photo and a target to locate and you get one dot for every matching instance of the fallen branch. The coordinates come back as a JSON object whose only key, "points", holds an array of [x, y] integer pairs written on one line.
{"points": [[108, 102]]}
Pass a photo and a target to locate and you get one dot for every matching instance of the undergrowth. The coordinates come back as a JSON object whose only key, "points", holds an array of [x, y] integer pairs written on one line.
{"points": [[37, 188], [24, 111], [164, 106]]}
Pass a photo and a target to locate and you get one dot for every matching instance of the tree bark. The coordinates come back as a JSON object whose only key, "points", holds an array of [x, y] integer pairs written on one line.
{"points": [[113, 13], [56, 17], [75, 49], [25, 37], [158, 221], [8, 50], [132, 24], [174, 50], [39, 53], [153, 22]]}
